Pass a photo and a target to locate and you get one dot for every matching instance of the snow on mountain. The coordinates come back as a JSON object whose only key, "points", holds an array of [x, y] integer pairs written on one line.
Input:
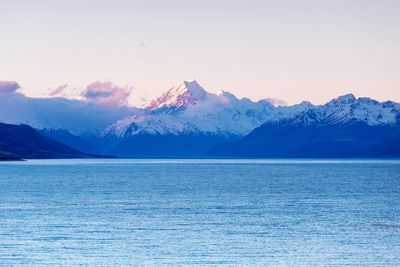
{"points": [[180, 96], [145, 124], [348, 109], [189, 109]]}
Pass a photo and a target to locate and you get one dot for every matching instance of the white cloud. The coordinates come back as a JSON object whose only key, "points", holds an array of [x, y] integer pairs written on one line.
{"points": [[100, 108], [106, 93]]}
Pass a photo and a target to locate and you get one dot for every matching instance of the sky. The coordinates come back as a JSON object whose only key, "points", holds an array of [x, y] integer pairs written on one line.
{"points": [[290, 50]]}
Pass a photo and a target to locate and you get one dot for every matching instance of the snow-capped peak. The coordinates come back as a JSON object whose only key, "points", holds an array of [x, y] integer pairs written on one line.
{"points": [[182, 95], [189, 109], [348, 109]]}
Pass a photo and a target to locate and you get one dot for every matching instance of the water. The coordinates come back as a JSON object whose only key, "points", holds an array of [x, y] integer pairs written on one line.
{"points": [[205, 212]]}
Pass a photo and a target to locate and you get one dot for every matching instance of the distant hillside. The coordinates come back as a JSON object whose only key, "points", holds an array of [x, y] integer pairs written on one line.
{"points": [[65, 137], [22, 141], [288, 139], [162, 146], [4, 155]]}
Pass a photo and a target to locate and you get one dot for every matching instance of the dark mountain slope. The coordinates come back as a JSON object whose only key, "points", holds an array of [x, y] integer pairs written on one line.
{"points": [[166, 146], [66, 138], [22, 141], [289, 138], [4, 155]]}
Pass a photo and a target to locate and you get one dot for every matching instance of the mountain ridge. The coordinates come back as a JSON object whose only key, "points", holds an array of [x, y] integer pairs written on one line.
{"points": [[188, 108], [189, 121], [189, 113]]}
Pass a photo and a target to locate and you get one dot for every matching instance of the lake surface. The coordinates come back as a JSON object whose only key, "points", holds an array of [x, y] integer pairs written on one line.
{"points": [[206, 212]]}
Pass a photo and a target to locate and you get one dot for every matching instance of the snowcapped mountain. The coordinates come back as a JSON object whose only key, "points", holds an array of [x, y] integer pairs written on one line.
{"points": [[179, 97], [349, 109], [187, 121], [188, 108], [344, 127]]}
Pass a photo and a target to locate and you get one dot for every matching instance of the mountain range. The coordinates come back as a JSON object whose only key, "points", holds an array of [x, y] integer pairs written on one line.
{"points": [[188, 121]]}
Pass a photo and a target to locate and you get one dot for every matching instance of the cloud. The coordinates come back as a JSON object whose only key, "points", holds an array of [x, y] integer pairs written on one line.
{"points": [[275, 102], [58, 90], [106, 93], [8, 86], [74, 115]]}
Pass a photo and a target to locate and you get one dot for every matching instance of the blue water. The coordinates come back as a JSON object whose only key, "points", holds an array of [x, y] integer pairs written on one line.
{"points": [[205, 212]]}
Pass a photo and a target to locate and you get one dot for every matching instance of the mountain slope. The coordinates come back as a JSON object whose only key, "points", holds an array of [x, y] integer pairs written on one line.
{"points": [[185, 121], [179, 97], [162, 146], [286, 139], [344, 127], [65, 137], [188, 108], [4, 155], [22, 141]]}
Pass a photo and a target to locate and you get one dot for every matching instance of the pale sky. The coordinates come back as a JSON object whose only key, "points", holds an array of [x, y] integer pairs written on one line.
{"points": [[290, 50]]}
